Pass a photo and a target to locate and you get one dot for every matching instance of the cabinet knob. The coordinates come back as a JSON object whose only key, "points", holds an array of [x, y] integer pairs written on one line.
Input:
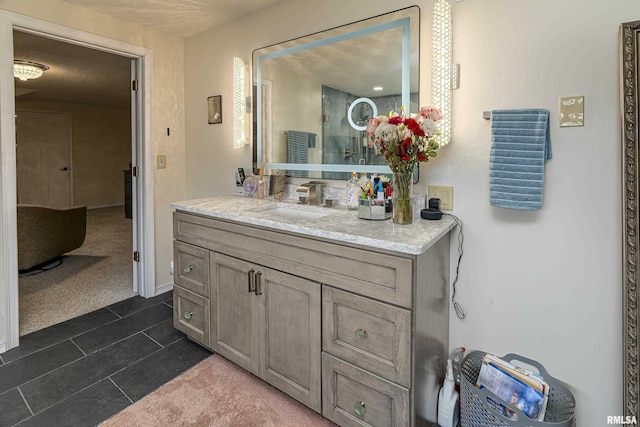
{"points": [[361, 334], [359, 408], [188, 268], [187, 314]]}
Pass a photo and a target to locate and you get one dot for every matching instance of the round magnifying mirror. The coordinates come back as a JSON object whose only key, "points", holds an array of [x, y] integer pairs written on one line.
{"points": [[357, 125]]}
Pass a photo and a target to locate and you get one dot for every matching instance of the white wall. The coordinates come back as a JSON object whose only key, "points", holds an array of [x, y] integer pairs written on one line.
{"points": [[545, 284]]}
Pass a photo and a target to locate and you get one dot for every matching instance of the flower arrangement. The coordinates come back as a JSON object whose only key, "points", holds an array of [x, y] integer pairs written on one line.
{"points": [[404, 140]]}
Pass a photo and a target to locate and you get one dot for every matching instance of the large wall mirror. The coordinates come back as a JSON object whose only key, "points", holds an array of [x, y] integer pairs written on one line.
{"points": [[314, 95], [629, 55]]}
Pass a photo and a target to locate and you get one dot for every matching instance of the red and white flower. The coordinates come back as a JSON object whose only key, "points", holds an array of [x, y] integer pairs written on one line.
{"points": [[405, 140]]}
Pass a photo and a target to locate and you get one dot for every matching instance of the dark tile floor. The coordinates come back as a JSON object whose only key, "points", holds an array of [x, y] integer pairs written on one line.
{"points": [[83, 371]]}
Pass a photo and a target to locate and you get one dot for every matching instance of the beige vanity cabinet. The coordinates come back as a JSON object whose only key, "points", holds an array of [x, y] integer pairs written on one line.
{"points": [[358, 334], [268, 322]]}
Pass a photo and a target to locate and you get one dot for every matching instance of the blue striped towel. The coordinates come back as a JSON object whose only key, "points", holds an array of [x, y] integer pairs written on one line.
{"points": [[298, 150], [520, 146]]}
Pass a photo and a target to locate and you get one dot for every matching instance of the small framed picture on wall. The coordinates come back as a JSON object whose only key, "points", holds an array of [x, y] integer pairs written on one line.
{"points": [[215, 109]]}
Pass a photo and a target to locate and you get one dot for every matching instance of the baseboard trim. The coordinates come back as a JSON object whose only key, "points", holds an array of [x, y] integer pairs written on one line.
{"points": [[164, 288]]}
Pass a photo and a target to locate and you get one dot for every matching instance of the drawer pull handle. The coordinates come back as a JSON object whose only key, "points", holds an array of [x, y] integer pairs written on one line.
{"points": [[359, 408], [251, 281], [187, 314], [258, 285], [188, 268], [361, 334]]}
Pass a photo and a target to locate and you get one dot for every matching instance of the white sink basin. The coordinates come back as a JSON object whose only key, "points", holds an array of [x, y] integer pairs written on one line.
{"points": [[292, 213]]}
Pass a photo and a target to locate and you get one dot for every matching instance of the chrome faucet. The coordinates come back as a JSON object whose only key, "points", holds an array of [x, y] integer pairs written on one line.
{"points": [[310, 193]]}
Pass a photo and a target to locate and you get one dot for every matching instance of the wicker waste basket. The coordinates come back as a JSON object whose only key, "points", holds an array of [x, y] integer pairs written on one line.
{"points": [[477, 410]]}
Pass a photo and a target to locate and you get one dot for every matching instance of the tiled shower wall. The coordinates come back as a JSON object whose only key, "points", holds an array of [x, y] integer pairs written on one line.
{"points": [[341, 143]]}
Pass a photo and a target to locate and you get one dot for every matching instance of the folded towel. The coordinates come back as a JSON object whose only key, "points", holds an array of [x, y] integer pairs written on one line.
{"points": [[520, 146], [298, 151]]}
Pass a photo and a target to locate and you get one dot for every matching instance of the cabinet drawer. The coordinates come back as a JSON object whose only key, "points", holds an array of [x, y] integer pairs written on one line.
{"points": [[191, 268], [355, 397], [191, 315], [367, 333]]}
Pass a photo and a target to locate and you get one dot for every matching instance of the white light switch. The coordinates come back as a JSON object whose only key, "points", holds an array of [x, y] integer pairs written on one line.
{"points": [[161, 161]]}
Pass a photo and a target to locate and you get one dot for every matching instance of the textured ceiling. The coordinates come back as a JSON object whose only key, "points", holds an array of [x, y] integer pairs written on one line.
{"points": [[182, 18]]}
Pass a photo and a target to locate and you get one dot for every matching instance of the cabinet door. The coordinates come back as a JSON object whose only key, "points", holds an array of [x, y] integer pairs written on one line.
{"points": [[290, 342], [233, 307]]}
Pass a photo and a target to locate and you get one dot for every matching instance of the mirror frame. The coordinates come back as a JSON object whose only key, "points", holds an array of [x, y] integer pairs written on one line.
{"points": [[629, 55], [403, 23]]}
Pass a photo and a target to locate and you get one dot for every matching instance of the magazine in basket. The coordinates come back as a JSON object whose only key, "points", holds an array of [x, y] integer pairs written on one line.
{"points": [[521, 388]]}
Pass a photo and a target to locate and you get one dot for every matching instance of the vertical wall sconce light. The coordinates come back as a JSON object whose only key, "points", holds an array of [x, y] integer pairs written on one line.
{"points": [[441, 76], [239, 103]]}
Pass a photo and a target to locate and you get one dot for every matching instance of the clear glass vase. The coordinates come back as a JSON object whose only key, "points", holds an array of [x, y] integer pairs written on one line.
{"points": [[402, 189]]}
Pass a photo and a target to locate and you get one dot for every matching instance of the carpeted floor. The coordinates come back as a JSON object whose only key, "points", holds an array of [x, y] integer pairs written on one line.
{"points": [[97, 274], [217, 393]]}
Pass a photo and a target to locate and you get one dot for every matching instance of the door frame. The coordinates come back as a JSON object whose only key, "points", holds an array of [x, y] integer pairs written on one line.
{"points": [[143, 239]]}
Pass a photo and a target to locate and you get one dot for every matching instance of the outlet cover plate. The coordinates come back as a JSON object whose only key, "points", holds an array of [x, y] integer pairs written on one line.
{"points": [[161, 161], [442, 192], [572, 111]]}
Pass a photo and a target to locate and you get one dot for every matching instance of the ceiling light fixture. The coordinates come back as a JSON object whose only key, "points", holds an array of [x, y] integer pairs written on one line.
{"points": [[25, 70], [378, 88]]}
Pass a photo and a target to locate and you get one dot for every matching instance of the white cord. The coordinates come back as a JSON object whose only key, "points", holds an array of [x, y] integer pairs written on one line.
{"points": [[457, 307]]}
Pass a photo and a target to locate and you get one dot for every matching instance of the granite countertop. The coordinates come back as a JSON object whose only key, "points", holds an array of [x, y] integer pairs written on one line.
{"points": [[333, 223]]}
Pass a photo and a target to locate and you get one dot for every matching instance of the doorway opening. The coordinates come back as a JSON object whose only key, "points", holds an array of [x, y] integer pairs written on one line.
{"points": [[140, 209], [73, 150]]}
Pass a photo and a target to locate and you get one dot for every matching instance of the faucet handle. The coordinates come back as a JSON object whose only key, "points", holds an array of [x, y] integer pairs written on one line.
{"points": [[303, 188]]}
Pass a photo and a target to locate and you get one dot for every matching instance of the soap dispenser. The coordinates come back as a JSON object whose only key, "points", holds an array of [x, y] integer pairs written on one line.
{"points": [[353, 192]]}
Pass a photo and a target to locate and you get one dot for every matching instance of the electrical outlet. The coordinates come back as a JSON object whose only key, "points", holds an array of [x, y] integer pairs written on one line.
{"points": [[442, 192]]}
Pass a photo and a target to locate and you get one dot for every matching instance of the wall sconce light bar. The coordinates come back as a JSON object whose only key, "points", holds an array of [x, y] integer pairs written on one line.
{"points": [[239, 103], [441, 79]]}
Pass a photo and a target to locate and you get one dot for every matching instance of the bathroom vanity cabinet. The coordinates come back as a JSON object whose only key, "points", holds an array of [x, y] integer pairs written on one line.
{"points": [[356, 333], [268, 322]]}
